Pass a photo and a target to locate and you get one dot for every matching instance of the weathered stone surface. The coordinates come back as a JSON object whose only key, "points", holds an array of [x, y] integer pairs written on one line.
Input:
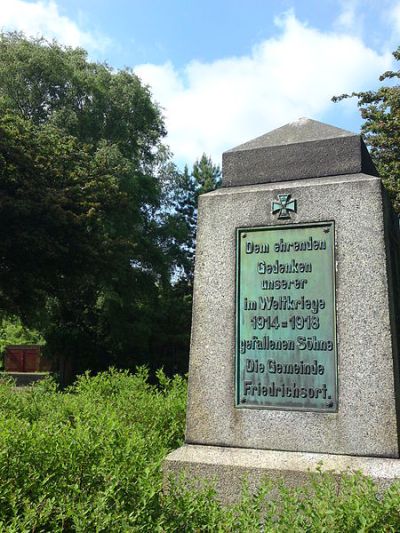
{"points": [[302, 149], [334, 182], [227, 468], [366, 421]]}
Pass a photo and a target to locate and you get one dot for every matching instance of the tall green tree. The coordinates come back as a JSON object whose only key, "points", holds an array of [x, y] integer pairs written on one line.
{"points": [[48, 83], [80, 253], [185, 189], [380, 110], [206, 174], [182, 191]]}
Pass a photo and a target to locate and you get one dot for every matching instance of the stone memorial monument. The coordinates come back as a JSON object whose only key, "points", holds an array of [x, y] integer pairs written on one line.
{"points": [[294, 355]]}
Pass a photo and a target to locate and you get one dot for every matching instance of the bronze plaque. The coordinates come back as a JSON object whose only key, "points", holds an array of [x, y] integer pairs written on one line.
{"points": [[285, 318]]}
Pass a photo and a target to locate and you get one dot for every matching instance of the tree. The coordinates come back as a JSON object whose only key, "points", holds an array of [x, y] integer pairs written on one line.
{"points": [[89, 255], [185, 189], [206, 174], [181, 190], [380, 110], [48, 83], [80, 253]]}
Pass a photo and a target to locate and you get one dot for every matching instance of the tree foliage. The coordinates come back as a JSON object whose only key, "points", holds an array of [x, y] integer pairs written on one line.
{"points": [[97, 224], [48, 83], [63, 210], [380, 110], [184, 191], [80, 243], [12, 331], [180, 197]]}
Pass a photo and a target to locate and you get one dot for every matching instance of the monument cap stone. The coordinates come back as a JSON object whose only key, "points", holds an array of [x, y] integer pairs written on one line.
{"points": [[302, 149]]}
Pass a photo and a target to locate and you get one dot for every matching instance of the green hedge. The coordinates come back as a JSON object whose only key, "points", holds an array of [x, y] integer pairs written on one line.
{"points": [[88, 459]]}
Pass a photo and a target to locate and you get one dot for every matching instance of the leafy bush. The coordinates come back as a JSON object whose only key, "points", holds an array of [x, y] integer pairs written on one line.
{"points": [[13, 332], [89, 459], [328, 504]]}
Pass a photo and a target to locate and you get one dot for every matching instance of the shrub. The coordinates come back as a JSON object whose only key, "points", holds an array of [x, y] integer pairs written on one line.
{"points": [[89, 459]]}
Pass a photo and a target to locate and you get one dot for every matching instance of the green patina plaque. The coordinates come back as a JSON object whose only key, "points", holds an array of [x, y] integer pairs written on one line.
{"points": [[286, 321]]}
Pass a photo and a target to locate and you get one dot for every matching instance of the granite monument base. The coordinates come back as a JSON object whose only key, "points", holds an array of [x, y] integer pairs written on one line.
{"points": [[227, 468]]}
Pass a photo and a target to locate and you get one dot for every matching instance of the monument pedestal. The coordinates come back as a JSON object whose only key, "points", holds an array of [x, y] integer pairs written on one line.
{"points": [[227, 468], [294, 356]]}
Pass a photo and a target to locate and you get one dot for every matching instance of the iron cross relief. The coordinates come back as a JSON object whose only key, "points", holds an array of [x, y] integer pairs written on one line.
{"points": [[284, 205]]}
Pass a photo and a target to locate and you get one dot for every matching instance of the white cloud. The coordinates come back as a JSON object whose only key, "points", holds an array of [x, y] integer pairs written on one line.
{"points": [[43, 18], [210, 107], [350, 17]]}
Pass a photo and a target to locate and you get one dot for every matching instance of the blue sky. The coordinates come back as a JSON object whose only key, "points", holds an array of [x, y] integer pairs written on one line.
{"points": [[227, 71]]}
